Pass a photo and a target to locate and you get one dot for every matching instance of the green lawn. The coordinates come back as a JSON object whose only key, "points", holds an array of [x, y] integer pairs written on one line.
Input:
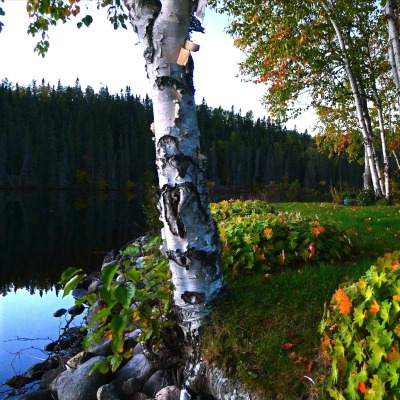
{"points": [[266, 333]]}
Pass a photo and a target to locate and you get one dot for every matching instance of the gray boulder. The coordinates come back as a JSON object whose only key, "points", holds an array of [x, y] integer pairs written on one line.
{"points": [[79, 384], [138, 367], [112, 391], [156, 382], [168, 393], [103, 348]]}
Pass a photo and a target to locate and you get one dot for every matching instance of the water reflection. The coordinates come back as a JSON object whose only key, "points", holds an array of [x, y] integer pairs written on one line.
{"points": [[43, 233], [26, 326]]}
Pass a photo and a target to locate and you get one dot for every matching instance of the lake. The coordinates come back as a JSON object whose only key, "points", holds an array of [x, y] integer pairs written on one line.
{"points": [[42, 234]]}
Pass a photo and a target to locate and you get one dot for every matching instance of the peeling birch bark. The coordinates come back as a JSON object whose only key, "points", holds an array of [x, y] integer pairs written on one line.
{"points": [[189, 233]]}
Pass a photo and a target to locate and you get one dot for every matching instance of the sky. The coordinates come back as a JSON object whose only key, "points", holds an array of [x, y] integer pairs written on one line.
{"points": [[101, 56]]}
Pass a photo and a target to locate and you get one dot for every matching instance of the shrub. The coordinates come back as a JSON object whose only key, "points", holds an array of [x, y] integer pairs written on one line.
{"points": [[253, 236], [366, 198], [361, 331], [142, 278]]}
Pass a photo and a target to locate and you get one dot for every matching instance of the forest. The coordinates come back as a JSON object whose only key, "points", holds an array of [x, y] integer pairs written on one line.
{"points": [[73, 138]]}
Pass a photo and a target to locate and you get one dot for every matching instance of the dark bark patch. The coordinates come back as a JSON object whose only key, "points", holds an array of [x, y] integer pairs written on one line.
{"points": [[168, 142], [193, 297], [179, 202], [171, 199], [179, 258], [180, 163]]}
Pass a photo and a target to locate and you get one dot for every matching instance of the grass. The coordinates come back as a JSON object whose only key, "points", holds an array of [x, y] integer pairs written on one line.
{"points": [[266, 333]]}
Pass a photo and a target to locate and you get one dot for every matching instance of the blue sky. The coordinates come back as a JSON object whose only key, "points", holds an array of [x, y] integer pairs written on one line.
{"points": [[100, 55]]}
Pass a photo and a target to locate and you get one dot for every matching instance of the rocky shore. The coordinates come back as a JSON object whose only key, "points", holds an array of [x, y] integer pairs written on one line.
{"points": [[151, 373]]}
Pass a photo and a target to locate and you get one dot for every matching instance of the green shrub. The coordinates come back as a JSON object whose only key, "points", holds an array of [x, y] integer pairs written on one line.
{"points": [[361, 331], [253, 236], [366, 198], [124, 283]]}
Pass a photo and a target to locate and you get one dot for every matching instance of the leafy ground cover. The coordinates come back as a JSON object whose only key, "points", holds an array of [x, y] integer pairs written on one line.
{"points": [[266, 333]]}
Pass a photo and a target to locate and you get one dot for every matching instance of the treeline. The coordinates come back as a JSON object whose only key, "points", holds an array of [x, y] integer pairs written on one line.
{"points": [[73, 138]]}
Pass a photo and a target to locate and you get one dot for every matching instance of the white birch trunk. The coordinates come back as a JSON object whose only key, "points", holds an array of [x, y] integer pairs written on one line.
{"points": [[372, 161], [189, 233], [394, 43], [386, 167]]}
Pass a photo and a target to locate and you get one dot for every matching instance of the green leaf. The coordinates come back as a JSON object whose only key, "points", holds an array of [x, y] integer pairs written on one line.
{"points": [[101, 365], [124, 294], [117, 344], [115, 361], [68, 274], [87, 20], [153, 241], [100, 315], [118, 324], [359, 315], [131, 250], [107, 274], [105, 295], [71, 284], [134, 274]]}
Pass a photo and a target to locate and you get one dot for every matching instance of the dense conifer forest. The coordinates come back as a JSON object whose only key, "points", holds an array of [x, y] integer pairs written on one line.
{"points": [[73, 138]]}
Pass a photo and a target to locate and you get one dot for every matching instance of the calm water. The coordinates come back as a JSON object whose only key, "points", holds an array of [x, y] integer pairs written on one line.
{"points": [[42, 234]]}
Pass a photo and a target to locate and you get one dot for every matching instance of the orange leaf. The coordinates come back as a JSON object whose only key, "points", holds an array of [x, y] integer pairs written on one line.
{"points": [[375, 307], [343, 301], [361, 387], [267, 232], [394, 354], [288, 345], [369, 229], [397, 330], [396, 297], [310, 365], [108, 334]]}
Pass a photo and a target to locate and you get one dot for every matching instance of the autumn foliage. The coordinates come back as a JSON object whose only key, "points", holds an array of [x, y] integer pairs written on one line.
{"points": [[361, 335]]}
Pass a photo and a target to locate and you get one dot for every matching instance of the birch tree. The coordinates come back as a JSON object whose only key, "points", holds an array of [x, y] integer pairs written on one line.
{"points": [[190, 235], [308, 48]]}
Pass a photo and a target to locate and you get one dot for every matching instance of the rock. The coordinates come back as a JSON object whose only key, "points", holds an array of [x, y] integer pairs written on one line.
{"points": [[111, 391], [94, 287], [67, 340], [102, 348], [110, 257], [130, 339], [38, 370], [85, 283], [50, 376], [139, 396], [78, 293], [156, 382], [92, 312], [77, 360], [76, 310], [138, 367], [60, 312], [60, 380], [168, 393], [79, 384], [139, 349], [131, 387], [38, 395]]}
